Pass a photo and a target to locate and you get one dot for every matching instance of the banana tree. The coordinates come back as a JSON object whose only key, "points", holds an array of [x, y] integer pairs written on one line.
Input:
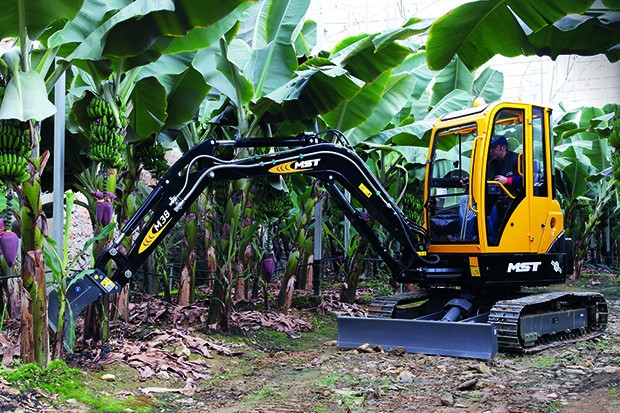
{"points": [[241, 73], [582, 155], [61, 267]]}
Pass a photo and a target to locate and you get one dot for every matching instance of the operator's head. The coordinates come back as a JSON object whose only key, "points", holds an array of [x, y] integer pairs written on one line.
{"points": [[498, 147]]}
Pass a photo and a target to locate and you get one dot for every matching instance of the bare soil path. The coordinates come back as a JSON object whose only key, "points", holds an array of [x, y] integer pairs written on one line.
{"points": [[272, 363]]}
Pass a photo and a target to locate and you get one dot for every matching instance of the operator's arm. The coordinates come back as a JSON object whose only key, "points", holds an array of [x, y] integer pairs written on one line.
{"points": [[511, 181], [511, 177]]}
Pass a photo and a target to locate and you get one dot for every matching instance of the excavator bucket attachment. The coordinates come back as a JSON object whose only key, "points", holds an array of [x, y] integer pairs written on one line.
{"points": [[84, 289], [470, 338]]}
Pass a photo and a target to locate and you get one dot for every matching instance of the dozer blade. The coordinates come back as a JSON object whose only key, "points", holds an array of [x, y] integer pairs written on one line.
{"points": [[471, 338]]}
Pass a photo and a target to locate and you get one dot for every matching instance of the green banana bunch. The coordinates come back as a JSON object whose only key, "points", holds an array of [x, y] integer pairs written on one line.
{"points": [[411, 205], [15, 137], [107, 129], [615, 156], [151, 154], [221, 192], [270, 201], [15, 147], [107, 155], [101, 109], [100, 134], [13, 167]]}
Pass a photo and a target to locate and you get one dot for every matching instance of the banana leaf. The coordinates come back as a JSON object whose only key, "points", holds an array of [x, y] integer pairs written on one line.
{"points": [[25, 98], [186, 92], [306, 39], [454, 76], [39, 16], [393, 98], [86, 37], [489, 85], [150, 104], [356, 111], [479, 30], [273, 58], [580, 35], [316, 89], [221, 73]]}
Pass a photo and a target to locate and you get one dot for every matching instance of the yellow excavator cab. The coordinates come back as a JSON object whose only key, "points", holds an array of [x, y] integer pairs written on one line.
{"points": [[463, 197]]}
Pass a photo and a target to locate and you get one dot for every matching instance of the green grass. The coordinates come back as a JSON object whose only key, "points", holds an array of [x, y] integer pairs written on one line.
{"points": [[543, 361], [585, 274], [268, 392], [67, 383], [329, 379], [552, 407]]}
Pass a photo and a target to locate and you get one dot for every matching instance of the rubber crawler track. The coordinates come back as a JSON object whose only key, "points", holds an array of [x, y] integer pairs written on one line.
{"points": [[506, 315]]}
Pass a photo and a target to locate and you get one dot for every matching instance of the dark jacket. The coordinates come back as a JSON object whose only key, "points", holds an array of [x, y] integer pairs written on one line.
{"points": [[508, 167]]}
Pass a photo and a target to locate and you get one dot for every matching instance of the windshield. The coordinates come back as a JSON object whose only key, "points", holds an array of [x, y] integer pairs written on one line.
{"points": [[448, 195]]}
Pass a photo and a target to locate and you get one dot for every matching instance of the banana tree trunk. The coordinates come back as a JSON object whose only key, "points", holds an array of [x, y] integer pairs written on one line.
{"points": [[349, 289], [126, 210], [187, 279], [97, 316], [35, 346], [212, 264], [11, 294], [301, 249], [61, 326], [248, 232], [150, 278], [285, 297], [35, 337]]}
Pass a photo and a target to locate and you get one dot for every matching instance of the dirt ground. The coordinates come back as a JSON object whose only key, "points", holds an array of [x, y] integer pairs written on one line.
{"points": [[289, 363]]}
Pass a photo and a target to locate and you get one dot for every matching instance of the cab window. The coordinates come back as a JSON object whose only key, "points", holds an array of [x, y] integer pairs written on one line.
{"points": [[448, 195]]}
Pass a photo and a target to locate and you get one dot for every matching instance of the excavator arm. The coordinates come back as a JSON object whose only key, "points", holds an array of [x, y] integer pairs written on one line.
{"points": [[335, 164]]}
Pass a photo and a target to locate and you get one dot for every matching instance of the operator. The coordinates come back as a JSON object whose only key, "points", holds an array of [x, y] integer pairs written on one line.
{"points": [[503, 167]]}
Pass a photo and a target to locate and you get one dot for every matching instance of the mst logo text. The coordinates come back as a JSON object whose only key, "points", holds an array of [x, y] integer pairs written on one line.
{"points": [[524, 266], [295, 166]]}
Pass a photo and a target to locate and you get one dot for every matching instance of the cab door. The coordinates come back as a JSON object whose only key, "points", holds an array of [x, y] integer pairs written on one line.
{"points": [[505, 211], [521, 217], [546, 219]]}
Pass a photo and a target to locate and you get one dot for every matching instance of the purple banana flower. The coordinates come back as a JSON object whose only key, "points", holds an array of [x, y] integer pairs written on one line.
{"points": [[103, 206], [104, 211], [9, 246], [97, 194], [268, 268]]}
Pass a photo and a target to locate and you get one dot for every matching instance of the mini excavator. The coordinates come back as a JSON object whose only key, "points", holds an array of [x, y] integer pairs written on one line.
{"points": [[478, 260]]}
